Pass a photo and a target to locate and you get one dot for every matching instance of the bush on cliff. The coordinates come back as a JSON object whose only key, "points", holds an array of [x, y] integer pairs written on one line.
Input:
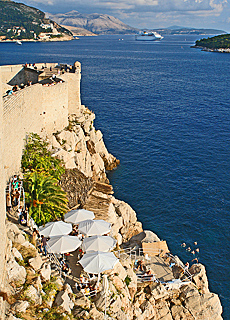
{"points": [[37, 157], [46, 200]]}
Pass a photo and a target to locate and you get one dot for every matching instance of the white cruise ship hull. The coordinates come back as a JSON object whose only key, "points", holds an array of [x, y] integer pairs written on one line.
{"points": [[146, 38]]}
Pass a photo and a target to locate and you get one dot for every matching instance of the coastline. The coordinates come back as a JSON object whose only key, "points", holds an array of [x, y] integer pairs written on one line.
{"points": [[220, 50], [65, 38]]}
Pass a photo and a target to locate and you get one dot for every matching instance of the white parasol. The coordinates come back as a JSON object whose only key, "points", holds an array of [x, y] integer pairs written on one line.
{"points": [[76, 216], [63, 244], [94, 227], [98, 243], [57, 228], [97, 262]]}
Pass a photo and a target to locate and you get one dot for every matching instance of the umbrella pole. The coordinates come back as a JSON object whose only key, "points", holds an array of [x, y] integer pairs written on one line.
{"points": [[105, 306]]}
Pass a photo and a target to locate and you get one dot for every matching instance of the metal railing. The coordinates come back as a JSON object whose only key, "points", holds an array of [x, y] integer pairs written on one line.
{"points": [[147, 278], [180, 264], [137, 253], [53, 259]]}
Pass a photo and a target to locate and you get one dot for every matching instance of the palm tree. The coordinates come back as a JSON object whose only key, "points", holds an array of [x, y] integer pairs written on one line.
{"points": [[45, 197]]}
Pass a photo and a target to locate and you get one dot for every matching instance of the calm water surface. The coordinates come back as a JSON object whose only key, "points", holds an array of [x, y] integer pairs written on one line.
{"points": [[164, 111]]}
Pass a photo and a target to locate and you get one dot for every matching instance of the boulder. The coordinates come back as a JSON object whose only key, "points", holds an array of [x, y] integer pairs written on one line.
{"points": [[33, 295], [145, 236], [118, 283], [99, 301], [200, 277], [59, 282], [95, 314], [37, 283], [16, 273], [159, 291], [11, 317], [163, 311], [36, 262], [19, 238], [83, 302], [16, 254], [179, 312], [45, 272], [29, 245], [210, 303], [20, 306], [68, 288], [14, 233], [120, 270], [115, 305], [148, 310], [63, 300], [50, 298]]}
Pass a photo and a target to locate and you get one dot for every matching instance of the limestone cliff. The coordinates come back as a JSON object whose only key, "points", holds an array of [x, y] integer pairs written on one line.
{"points": [[86, 158], [35, 290]]}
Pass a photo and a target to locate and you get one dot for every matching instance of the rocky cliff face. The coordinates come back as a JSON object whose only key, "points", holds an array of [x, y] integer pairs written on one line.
{"points": [[86, 158], [35, 290]]}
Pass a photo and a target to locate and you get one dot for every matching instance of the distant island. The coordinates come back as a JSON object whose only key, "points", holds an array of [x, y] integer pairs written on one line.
{"points": [[219, 43], [174, 30], [21, 22]]}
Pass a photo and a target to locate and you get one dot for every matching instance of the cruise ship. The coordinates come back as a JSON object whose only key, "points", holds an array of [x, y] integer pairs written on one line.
{"points": [[148, 36]]}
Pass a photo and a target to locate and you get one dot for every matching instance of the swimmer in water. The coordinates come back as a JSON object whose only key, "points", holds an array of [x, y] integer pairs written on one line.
{"points": [[195, 243], [183, 244], [188, 249]]}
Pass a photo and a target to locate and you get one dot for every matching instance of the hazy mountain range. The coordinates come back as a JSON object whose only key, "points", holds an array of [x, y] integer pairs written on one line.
{"points": [[95, 22]]}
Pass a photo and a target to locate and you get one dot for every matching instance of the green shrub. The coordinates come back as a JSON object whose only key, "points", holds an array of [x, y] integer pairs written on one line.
{"points": [[127, 280]]}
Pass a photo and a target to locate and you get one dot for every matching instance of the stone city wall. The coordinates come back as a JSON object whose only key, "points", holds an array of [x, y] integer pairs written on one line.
{"points": [[37, 109], [2, 210]]}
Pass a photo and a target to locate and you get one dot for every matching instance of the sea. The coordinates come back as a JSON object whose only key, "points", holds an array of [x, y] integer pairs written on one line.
{"points": [[164, 111]]}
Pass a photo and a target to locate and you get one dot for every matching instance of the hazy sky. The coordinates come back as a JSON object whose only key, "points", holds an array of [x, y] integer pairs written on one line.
{"points": [[149, 13]]}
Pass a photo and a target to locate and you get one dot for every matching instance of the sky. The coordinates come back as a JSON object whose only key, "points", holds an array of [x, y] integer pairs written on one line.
{"points": [[149, 14]]}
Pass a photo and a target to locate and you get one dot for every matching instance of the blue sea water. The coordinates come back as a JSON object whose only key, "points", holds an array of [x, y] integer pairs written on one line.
{"points": [[164, 110]]}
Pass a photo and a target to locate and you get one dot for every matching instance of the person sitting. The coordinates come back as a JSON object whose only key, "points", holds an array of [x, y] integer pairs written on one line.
{"points": [[140, 265], [172, 264], [87, 291], [23, 220], [148, 276], [65, 268], [15, 88]]}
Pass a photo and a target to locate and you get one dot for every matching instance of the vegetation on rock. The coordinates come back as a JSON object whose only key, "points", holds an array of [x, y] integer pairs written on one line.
{"points": [[217, 42], [46, 199], [37, 157]]}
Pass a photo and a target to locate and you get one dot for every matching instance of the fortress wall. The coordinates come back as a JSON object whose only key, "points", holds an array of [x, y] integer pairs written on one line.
{"points": [[37, 109], [74, 99], [55, 106], [2, 210]]}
